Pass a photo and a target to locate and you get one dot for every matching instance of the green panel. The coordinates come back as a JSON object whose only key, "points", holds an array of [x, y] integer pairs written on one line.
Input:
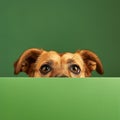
{"points": [[59, 99], [60, 25]]}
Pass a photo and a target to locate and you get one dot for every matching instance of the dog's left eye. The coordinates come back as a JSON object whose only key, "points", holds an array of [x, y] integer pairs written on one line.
{"points": [[44, 69], [74, 69]]}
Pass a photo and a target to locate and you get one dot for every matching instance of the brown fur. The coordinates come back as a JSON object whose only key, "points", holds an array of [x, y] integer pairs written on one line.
{"points": [[41, 63]]}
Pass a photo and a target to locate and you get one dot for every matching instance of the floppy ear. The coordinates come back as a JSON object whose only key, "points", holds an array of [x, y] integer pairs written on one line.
{"points": [[92, 61], [26, 60]]}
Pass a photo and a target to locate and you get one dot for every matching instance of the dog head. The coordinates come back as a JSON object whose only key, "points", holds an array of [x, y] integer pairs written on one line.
{"points": [[41, 63]]}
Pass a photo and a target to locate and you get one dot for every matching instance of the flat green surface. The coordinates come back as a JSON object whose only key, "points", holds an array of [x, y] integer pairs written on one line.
{"points": [[59, 99]]}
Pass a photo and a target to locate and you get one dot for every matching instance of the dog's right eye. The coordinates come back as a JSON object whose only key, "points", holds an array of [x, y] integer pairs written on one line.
{"points": [[44, 69]]}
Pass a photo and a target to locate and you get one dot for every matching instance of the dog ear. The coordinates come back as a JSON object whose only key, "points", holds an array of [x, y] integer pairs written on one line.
{"points": [[92, 61], [26, 60]]}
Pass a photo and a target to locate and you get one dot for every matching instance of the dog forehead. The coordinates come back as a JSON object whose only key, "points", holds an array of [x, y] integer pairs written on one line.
{"points": [[67, 56], [74, 57], [51, 55]]}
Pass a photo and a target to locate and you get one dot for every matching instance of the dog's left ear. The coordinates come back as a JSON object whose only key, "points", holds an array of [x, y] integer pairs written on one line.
{"points": [[92, 61]]}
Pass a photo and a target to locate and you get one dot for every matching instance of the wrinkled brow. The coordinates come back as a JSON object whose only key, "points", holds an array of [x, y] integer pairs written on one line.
{"points": [[49, 62], [69, 61], [61, 54]]}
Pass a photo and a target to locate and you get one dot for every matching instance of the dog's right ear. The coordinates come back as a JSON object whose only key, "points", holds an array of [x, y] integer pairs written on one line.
{"points": [[26, 60]]}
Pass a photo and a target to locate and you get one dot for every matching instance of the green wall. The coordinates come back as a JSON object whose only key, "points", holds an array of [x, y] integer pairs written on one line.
{"points": [[62, 25]]}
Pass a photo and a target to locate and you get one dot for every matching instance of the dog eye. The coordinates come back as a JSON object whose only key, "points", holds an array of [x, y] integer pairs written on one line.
{"points": [[45, 69], [74, 69]]}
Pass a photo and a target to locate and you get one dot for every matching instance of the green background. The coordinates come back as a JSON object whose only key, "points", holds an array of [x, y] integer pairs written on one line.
{"points": [[59, 99], [61, 25]]}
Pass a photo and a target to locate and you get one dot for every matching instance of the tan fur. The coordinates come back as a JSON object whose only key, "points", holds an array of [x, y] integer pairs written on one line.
{"points": [[41, 63]]}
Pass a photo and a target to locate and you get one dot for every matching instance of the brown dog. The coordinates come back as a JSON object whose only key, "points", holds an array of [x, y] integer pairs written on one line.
{"points": [[41, 63]]}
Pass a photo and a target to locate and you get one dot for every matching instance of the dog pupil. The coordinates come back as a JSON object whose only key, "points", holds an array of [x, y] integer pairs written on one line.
{"points": [[75, 69], [45, 68]]}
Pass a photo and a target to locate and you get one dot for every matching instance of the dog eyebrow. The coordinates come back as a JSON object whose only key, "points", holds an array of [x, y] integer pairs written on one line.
{"points": [[69, 61], [49, 62]]}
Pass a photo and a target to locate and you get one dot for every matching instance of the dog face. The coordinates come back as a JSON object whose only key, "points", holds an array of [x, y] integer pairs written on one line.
{"points": [[41, 63]]}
